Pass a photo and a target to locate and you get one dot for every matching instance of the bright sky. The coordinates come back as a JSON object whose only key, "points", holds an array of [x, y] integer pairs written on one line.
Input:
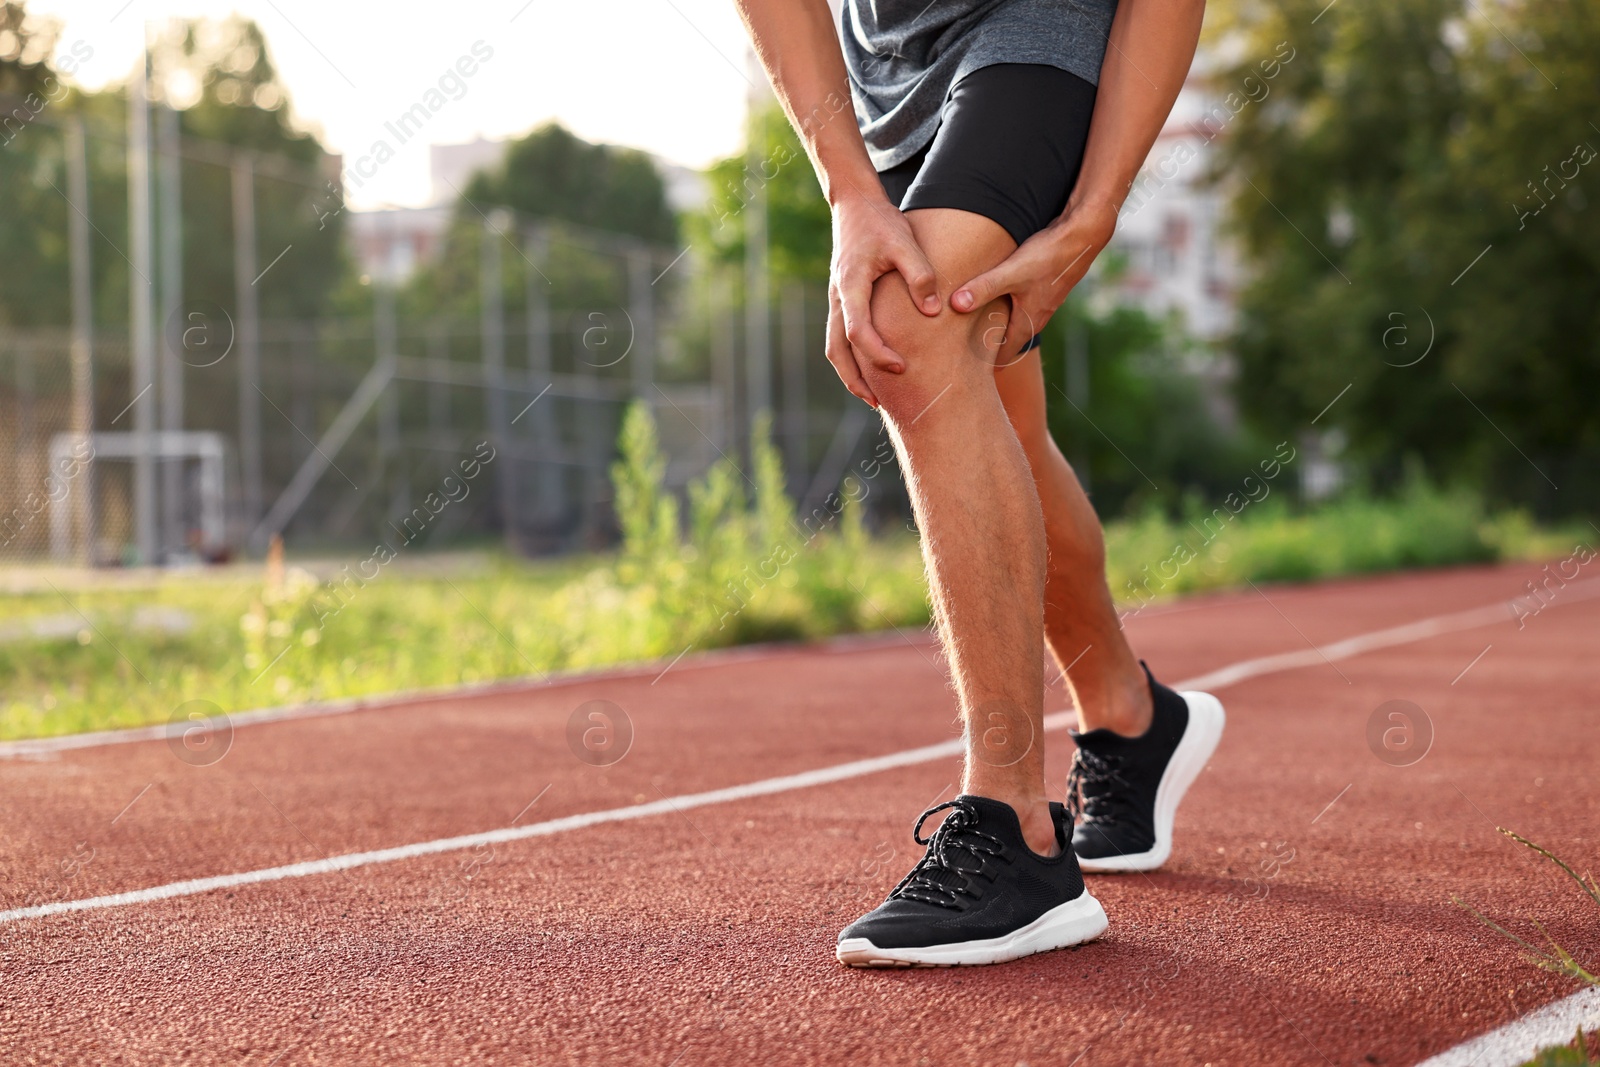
{"points": [[667, 76]]}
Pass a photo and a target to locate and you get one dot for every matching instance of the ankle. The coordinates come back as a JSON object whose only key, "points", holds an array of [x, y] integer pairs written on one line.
{"points": [[1038, 828], [1127, 709]]}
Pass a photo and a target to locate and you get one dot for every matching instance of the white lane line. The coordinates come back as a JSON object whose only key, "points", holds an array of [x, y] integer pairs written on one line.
{"points": [[765, 787], [1231, 675], [1519, 1040], [1470, 619]]}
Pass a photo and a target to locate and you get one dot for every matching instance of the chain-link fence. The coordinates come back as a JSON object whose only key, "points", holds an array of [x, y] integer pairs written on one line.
{"points": [[362, 421], [165, 410]]}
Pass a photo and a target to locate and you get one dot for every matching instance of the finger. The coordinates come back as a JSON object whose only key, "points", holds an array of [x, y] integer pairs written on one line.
{"points": [[1011, 347], [839, 354], [1026, 320], [992, 340], [982, 289], [919, 277], [1026, 317], [856, 301]]}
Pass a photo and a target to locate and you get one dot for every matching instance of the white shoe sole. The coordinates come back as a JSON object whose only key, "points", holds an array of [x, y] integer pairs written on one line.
{"points": [[1206, 719], [1078, 920]]}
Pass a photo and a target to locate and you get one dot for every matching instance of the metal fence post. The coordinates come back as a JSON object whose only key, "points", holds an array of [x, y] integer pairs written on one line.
{"points": [[757, 316], [796, 433], [386, 335], [171, 215], [724, 368], [439, 392], [82, 334], [593, 445], [140, 311], [493, 327], [548, 471], [642, 310], [248, 335]]}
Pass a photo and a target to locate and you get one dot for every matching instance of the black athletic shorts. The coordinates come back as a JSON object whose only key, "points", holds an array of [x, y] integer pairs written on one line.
{"points": [[1008, 147]]}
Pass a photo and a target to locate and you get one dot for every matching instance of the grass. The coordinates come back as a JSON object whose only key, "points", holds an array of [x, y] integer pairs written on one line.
{"points": [[392, 618], [746, 570], [1573, 1054], [1551, 956]]}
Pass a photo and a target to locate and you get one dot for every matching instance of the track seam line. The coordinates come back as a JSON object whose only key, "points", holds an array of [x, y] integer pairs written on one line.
{"points": [[1346, 648]]}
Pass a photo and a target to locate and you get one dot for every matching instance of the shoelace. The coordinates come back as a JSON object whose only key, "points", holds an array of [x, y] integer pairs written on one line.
{"points": [[956, 834], [1090, 797]]}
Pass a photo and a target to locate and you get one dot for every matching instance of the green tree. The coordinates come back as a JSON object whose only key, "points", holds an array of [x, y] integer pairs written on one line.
{"points": [[221, 76], [1146, 436], [238, 101], [555, 177], [551, 173], [33, 226], [799, 225], [25, 47], [1416, 183]]}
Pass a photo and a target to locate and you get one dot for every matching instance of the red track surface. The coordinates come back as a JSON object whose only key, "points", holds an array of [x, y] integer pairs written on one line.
{"points": [[706, 937]]}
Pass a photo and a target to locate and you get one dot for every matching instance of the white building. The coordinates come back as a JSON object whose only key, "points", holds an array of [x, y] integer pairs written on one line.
{"points": [[451, 166], [1178, 260], [390, 242]]}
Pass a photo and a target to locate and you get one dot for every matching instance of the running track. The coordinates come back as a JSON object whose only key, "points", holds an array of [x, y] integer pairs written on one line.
{"points": [[1305, 917]]}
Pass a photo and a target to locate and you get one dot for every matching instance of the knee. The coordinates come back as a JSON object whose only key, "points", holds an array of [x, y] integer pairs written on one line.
{"points": [[942, 355]]}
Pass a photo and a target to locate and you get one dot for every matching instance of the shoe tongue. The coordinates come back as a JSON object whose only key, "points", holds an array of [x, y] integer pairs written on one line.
{"points": [[944, 877], [993, 815]]}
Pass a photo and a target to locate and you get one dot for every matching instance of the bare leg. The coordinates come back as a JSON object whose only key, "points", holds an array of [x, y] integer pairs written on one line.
{"points": [[976, 505], [1080, 620]]}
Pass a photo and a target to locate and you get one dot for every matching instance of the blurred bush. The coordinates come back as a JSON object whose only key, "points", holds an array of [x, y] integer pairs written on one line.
{"points": [[1153, 556], [748, 569]]}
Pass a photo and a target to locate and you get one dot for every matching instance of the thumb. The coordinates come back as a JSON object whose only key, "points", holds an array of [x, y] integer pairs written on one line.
{"points": [[982, 289], [919, 277]]}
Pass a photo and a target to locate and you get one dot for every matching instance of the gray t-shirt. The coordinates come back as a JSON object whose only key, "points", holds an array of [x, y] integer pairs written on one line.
{"points": [[904, 55]]}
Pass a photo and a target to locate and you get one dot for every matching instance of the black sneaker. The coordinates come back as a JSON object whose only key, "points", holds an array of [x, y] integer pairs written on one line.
{"points": [[978, 895], [1124, 791]]}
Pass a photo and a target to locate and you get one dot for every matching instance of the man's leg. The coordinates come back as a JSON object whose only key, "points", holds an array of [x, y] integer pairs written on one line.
{"points": [[978, 511], [1079, 617], [1141, 745]]}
